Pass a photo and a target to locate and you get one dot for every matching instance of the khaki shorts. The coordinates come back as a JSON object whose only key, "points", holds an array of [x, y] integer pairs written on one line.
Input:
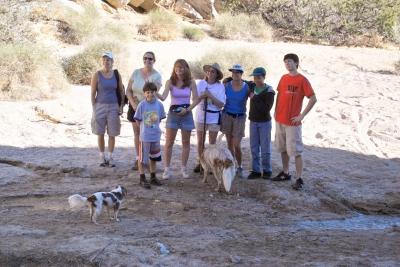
{"points": [[233, 126], [105, 116], [149, 151], [212, 127], [288, 139]]}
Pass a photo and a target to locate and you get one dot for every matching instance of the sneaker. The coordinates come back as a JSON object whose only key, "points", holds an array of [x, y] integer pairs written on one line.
{"points": [[281, 177], [166, 174], [254, 175], [266, 175], [239, 172], [104, 163], [135, 166], [184, 173], [198, 168], [298, 184], [111, 163]]}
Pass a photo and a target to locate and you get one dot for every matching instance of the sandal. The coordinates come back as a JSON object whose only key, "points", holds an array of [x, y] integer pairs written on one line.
{"points": [[281, 177], [298, 184]]}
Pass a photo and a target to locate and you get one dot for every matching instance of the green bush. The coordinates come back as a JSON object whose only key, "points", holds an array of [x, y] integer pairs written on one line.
{"points": [[193, 33], [242, 27], [345, 22], [161, 25], [80, 67], [249, 59], [29, 72]]}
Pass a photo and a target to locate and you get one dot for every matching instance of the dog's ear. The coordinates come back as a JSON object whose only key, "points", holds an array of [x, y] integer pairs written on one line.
{"points": [[227, 163], [124, 191]]}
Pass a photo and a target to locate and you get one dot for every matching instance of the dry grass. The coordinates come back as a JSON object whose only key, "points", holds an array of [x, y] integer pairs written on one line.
{"points": [[161, 25], [397, 67], [29, 72], [241, 27], [249, 59], [80, 67], [193, 33]]}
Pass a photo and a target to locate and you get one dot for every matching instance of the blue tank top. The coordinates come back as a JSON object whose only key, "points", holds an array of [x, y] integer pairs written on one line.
{"points": [[236, 100], [106, 90]]}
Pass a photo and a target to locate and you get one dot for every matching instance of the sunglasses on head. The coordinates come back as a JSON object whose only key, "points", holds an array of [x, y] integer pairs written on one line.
{"points": [[148, 58]]}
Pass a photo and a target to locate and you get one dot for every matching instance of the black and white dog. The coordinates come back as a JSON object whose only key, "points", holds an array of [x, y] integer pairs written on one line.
{"points": [[96, 201]]}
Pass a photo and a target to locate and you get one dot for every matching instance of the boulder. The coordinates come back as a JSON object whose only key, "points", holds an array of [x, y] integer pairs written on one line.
{"points": [[118, 3], [183, 8], [144, 4]]}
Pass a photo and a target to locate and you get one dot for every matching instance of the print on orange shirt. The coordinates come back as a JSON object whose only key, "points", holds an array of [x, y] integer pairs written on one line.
{"points": [[291, 92]]}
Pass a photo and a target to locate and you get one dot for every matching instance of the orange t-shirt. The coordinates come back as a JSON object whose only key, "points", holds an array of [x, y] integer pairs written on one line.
{"points": [[291, 92]]}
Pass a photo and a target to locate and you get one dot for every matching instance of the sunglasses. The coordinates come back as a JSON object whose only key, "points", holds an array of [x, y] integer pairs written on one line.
{"points": [[236, 71], [148, 58]]}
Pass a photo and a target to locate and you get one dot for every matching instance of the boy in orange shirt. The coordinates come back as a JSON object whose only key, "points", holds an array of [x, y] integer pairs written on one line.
{"points": [[292, 89]]}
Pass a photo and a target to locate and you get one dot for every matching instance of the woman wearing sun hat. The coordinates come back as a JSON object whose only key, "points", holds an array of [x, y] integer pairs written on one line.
{"points": [[234, 114], [207, 117]]}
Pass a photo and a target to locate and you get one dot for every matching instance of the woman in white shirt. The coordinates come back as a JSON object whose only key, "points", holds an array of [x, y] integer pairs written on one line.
{"points": [[213, 91], [134, 92]]}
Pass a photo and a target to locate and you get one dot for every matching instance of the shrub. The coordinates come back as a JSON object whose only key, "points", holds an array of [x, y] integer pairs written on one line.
{"points": [[14, 27], [193, 33], [397, 67], [80, 67], [161, 25], [241, 26], [29, 72], [249, 59]]}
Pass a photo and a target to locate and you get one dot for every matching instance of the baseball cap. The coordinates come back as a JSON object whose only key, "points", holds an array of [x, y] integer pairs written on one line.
{"points": [[259, 71], [108, 54], [237, 67]]}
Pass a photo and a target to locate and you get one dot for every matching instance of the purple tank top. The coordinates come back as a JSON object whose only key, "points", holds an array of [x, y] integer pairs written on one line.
{"points": [[180, 96]]}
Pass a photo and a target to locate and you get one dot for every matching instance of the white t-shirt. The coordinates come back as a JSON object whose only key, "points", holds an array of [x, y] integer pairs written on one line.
{"points": [[138, 82], [218, 91]]}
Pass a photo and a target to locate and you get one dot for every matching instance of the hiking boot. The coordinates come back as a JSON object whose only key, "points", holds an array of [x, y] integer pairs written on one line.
{"points": [[143, 182], [298, 184], [166, 174], [266, 175], [155, 181], [135, 166], [198, 168], [111, 163], [184, 173], [254, 175], [281, 177]]}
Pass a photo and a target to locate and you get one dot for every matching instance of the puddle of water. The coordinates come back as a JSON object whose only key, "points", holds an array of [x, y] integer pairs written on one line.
{"points": [[359, 222]]}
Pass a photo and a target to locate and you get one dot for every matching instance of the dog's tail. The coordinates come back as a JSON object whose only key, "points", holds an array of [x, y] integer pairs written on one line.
{"points": [[77, 201]]}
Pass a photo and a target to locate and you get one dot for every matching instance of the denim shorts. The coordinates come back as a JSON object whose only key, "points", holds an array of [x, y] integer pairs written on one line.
{"points": [[175, 121]]}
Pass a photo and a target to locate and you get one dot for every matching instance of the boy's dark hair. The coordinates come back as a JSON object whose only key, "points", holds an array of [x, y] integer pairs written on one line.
{"points": [[293, 57], [149, 86]]}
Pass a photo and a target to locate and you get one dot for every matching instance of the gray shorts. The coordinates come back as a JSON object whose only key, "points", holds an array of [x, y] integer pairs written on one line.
{"points": [[233, 126], [211, 127], [149, 151], [105, 116], [288, 139], [175, 121]]}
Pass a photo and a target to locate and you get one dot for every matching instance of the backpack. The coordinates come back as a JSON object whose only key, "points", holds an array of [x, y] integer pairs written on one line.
{"points": [[121, 102]]}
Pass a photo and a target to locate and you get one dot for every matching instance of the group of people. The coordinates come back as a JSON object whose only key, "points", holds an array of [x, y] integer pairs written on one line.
{"points": [[220, 106]]}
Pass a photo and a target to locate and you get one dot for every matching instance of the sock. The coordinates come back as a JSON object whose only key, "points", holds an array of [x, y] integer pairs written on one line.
{"points": [[110, 155], [101, 154], [153, 175]]}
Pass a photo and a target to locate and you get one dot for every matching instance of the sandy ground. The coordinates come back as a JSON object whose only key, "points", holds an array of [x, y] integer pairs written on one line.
{"points": [[352, 167]]}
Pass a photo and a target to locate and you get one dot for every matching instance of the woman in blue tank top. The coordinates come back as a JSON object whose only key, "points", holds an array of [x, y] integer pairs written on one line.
{"points": [[106, 109], [234, 114]]}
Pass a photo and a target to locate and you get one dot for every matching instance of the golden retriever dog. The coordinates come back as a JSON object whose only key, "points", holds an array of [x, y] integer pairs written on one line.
{"points": [[218, 159]]}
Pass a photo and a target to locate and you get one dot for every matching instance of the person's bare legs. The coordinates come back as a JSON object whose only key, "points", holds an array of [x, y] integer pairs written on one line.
{"points": [[185, 147], [285, 162], [101, 143], [238, 150], [136, 133], [212, 137], [299, 166], [200, 145], [111, 144], [169, 142], [152, 166], [229, 141]]}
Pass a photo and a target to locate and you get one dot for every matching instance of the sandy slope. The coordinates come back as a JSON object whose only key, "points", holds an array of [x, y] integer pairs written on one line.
{"points": [[352, 161]]}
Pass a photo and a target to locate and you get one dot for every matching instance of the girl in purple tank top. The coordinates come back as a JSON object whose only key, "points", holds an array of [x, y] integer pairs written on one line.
{"points": [[183, 89]]}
